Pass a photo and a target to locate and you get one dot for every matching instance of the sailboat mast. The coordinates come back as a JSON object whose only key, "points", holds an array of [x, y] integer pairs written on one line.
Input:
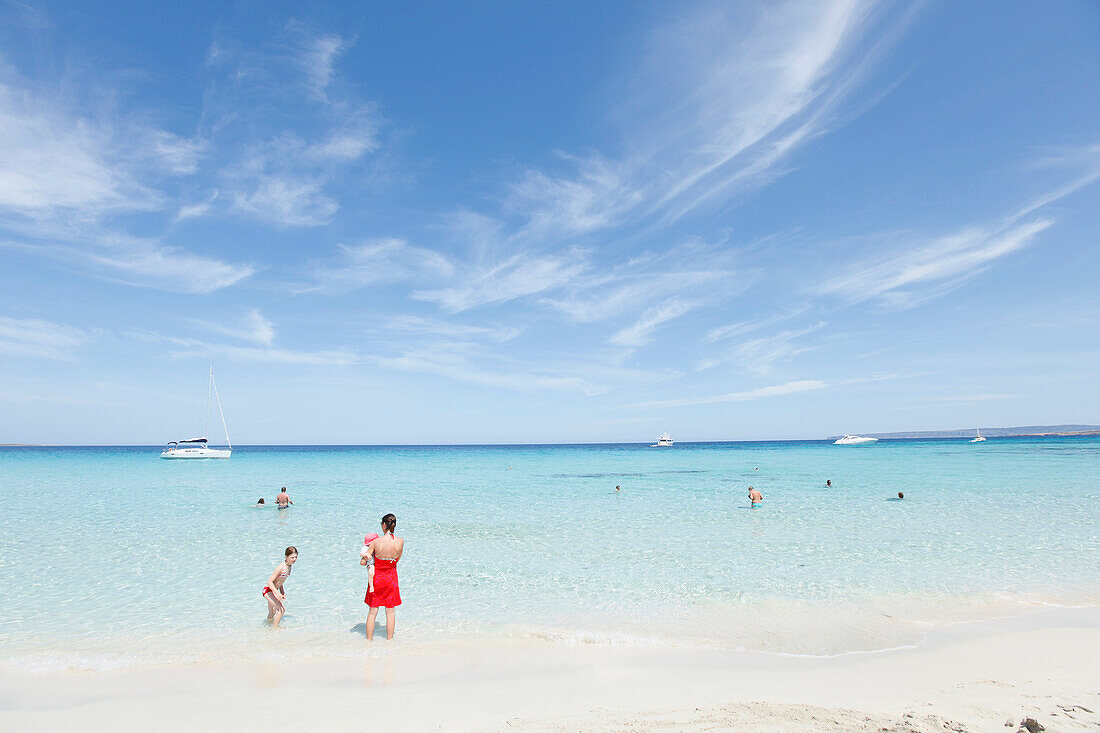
{"points": [[220, 412], [209, 387]]}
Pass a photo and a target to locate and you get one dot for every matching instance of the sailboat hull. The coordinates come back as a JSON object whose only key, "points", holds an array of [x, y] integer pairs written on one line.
{"points": [[196, 453]]}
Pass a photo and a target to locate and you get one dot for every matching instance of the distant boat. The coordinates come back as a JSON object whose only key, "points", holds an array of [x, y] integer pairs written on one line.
{"points": [[854, 440], [664, 441], [198, 447], [979, 439]]}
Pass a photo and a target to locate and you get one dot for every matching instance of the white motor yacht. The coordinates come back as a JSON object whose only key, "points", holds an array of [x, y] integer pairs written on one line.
{"points": [[854, 440], [199, 447], [663, 442]]}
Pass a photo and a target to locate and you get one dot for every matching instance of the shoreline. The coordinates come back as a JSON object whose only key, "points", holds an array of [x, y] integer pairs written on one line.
{"points": [[963, 676]]}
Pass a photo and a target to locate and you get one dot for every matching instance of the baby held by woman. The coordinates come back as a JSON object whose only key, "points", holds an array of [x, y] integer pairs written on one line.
{"points": [[366, 558]]}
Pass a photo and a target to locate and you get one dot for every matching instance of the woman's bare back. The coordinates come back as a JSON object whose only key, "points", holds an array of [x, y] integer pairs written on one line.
{"points": [[387, 547]]}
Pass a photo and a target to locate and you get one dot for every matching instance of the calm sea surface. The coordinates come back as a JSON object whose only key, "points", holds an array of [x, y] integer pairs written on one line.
{"points": [[113, 557]]}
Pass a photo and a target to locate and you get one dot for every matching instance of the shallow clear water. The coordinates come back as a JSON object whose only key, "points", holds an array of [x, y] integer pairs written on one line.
{"points": [[112, 555]]}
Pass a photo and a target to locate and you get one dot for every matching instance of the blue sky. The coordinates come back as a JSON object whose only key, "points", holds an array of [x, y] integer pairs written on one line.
{"points": [[547, 222]]}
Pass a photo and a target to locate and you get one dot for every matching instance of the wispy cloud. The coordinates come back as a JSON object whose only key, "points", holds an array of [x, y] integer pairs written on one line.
{"points": [[303, 129], [597, 196], [912, 273], [26, 16], [318, 57], [134, 261], [913, 269], [380, 260], [721, 333], [67, 175], [730, 92], [457, 361], [406, 325], [253, 327], [200, 208], [760, 355], [190, 348], [689, 272], [38, 338], [517, 276], [805, 385], [640, 333], [57, 162], [283, 180]]}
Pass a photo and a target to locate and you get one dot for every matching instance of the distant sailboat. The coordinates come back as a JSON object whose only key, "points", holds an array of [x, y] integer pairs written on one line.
{"points": [[978, 439], [197, 447]]}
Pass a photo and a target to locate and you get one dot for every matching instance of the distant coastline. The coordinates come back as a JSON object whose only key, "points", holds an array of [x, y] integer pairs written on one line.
{"points": [[1028, 431]]}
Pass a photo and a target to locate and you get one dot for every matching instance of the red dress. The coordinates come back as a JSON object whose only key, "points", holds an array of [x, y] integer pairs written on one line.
{"points": [[386, 593]]}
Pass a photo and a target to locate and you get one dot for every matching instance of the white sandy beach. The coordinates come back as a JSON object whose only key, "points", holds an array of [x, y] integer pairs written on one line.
{"points": [[972, 677]]}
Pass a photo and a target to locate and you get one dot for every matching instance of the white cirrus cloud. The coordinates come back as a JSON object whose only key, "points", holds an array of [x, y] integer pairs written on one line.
{"points": [[285, 199], [135, 261], [914, 271], [406, 325], [190, 348], [904, 270], [513, 277], [640, 333], [252, 327], [39, 338], [726, 94], [804, 385], [378, 260], [457, 361], [58, 163], [317, 59], [760, 355]]}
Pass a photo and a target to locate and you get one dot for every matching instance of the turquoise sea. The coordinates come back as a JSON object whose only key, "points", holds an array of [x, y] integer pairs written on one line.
{"points": [[113, 557]]}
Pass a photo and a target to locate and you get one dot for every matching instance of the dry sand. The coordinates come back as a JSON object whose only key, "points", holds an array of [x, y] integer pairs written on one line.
{"points": [[966, 677]]}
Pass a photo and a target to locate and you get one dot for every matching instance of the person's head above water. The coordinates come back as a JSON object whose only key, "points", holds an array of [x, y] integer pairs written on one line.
{"points": [[261, 501], [828, 482], [617, 487], [901, 495], [389, 524]]}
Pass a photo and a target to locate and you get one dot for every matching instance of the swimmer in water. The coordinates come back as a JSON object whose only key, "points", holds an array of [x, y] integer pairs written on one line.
{"points": [[828, 482], [901, 495], [617, 488], [261, 502], [755, 497], [283, 499], [274, 592]]}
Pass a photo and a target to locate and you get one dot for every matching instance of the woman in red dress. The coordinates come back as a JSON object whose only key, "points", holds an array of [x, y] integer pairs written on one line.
{"points": [[387, 551]]}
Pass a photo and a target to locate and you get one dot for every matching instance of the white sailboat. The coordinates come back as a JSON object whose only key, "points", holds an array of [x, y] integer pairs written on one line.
{"points": [[978, 439], [198, 447]]}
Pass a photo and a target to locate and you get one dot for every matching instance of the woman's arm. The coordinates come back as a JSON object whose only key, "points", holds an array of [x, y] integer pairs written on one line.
{"points": [[400, 549]]}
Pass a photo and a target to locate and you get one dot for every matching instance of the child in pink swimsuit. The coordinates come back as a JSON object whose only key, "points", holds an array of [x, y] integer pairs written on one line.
{"points": [[273, 591], [366, 558]]}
